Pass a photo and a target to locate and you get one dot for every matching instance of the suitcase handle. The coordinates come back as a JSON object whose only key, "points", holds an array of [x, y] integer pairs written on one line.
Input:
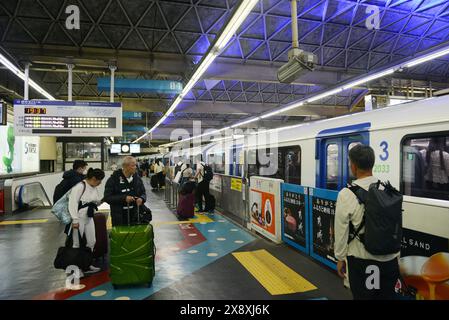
{"points": [[138, 215]]}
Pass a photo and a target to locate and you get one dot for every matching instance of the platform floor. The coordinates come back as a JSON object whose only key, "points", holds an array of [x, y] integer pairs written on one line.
{"points": [[207, 258]]}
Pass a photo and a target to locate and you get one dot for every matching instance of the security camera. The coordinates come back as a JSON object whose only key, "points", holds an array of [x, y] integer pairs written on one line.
{"points": [[299, 63]]}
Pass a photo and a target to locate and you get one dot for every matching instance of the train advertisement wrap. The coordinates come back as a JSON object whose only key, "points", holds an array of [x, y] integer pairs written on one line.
{"points": [[294, 216], [264, 209], [424, 264], [323, 204]]}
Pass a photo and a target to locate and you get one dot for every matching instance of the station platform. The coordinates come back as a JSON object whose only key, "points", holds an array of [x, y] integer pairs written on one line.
{"points": [[208, 257]]}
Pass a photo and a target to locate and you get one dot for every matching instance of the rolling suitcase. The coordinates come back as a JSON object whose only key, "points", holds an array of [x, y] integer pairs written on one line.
{"points": [[186, 205], [132, 254], [101, 235]]}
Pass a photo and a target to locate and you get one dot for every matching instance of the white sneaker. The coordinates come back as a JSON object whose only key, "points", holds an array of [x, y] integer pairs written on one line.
{"points": [[93, 269]]}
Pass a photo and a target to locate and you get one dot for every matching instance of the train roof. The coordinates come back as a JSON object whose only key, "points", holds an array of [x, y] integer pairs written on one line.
{"points": [[418, 112]]}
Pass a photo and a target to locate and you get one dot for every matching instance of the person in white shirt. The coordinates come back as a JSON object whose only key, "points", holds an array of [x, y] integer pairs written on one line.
{"points": [[113, 166], [85, 195], [354, 255], [187, 171], [159, 172]]}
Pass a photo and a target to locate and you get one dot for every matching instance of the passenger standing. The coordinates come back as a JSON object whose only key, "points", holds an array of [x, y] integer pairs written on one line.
{"points": [[186, 173], [159, 172], [70, 179], [123, 190], [114, 166], [83, 201], [359, 261], [203, 186], [437, 159]]}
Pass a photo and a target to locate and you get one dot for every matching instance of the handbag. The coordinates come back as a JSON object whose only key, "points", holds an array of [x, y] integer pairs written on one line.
{"points": [[67, 256]]}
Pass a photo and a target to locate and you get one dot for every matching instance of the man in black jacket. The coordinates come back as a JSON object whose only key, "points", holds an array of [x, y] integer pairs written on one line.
{"points": [[125, 189], [70, 179]]}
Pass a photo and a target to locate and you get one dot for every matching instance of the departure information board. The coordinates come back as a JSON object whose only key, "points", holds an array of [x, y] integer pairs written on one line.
{"points": [[61, 118]]}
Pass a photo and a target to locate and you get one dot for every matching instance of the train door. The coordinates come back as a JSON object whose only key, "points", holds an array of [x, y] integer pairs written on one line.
{"points": [[236, 161], [335, 171]]}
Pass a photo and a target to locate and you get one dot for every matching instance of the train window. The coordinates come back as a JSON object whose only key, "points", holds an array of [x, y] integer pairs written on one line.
{"points": [[332, 167], [425, 166], [351, 177]]}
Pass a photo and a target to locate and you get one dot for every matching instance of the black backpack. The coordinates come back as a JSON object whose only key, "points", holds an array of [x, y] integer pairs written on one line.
{"points": [[208, 173], [382, 218]]}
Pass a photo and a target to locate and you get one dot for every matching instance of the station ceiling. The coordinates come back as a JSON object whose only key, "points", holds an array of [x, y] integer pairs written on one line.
{"points": [[166, 39]]}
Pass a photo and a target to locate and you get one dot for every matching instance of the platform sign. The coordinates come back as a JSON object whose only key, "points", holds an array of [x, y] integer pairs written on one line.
{"points": [[62, 118], [295, 203], [265, 207], [236, 184], [322, 205]]}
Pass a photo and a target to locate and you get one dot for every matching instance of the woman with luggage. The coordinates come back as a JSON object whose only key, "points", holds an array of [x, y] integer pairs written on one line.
{"points": [[83, 201]]}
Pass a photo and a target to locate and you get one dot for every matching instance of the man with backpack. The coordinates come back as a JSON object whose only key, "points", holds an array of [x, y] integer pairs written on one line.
{"points": [[368, 230], [204, 176], [70, 179]]}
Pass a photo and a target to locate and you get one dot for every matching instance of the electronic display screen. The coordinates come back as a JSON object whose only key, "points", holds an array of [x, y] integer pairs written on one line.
{"points": [[135, 148], [116, 148]]}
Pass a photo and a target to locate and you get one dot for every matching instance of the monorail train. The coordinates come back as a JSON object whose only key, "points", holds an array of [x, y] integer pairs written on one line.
{"points": [[315, 154]]}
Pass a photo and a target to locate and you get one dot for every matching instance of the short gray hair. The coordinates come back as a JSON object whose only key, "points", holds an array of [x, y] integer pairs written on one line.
{"points": [[128, 160]]}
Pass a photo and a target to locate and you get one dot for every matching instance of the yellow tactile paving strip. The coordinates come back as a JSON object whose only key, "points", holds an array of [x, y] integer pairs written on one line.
{"points": [[14, 222], [274, 275], [198, 219]]}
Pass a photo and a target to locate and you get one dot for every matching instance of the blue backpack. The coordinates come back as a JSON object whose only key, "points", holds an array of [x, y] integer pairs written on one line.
{"points": [[61, 208]]}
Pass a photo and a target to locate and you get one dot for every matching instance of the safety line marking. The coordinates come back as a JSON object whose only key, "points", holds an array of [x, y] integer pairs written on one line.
{"points": [[273, 274], [14, 222]]}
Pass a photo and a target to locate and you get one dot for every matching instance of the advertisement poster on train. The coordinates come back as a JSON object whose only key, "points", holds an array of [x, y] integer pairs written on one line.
{"points": [[424, 264], [323, 214], [294, 217], [263, 211]]}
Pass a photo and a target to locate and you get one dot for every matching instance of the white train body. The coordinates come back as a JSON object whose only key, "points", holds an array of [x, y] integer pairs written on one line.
{"points": [[385, 130]]}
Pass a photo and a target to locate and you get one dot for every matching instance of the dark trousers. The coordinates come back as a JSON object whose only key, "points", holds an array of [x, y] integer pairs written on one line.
{"points": [[202, 190], [161, 179], [362, 278]]}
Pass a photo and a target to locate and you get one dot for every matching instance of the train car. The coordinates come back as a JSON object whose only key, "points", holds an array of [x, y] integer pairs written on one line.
{"points": [[404, 138]]}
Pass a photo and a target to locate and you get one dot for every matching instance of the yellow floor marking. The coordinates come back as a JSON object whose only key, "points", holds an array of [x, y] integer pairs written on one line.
{"points": [[274, 275], [13, 222], [198, 219]]}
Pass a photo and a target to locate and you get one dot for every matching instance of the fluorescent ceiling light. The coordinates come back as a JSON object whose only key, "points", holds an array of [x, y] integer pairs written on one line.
{"points": [[324, 94], [235, 23], [426, 58], [21, 75], [230, 29], [290, 107], [245, 122], [369, 78]]}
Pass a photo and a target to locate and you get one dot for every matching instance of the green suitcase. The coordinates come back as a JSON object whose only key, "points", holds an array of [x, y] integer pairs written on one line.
{"points": [[132, 255]]}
